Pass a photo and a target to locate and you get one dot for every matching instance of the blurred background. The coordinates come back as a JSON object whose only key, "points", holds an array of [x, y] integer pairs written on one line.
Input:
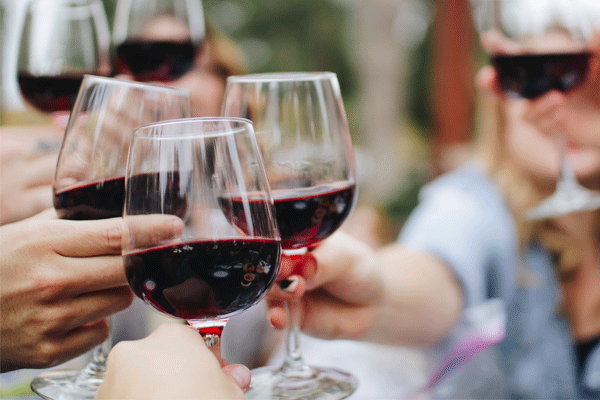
{"points": [[406, 70]]}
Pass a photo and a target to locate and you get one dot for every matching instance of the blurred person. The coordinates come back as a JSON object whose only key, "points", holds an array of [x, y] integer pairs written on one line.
{"points": [[206, 77], [576, 115], [470, 279], [172, 363]]}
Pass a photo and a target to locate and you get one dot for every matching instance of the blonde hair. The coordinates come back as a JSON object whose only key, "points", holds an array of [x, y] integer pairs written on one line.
{"points": [[519, 190], [226, 58]]}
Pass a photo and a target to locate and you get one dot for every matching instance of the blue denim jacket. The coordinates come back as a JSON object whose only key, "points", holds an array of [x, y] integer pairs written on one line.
{"points": [[463, 220]]}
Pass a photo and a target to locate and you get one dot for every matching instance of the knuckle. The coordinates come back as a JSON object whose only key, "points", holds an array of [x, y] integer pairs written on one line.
{"points": [[124, 299], [114, 234], [49, 286], [48, 354], [50, 321]]}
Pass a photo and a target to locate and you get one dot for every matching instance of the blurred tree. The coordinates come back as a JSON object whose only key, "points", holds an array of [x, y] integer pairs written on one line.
{"points": [[288, 35]]}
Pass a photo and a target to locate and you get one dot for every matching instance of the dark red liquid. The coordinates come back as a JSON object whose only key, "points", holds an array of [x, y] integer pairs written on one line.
{"points": [[50, 93], [531, 76], [303, 220], [161, 61], [96, 200], [105, 199], [204, 279]]}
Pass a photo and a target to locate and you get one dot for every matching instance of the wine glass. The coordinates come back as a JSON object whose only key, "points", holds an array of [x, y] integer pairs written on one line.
{"points": [[208, 173], [157, 40], [61, 41], [301, 126], [538, 46], [90, 177]]}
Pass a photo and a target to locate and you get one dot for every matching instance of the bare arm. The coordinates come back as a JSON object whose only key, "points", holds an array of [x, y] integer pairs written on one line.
{"points": [[391, 296], [422, 298]]}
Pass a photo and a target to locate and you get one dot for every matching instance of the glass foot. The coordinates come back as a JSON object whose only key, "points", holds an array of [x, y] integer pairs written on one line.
{"points": [[565, 202], [66, 385], [315, 383]]}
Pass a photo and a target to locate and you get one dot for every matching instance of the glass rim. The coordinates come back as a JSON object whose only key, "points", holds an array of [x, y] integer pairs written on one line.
{"points": [[76, 3], [138, 132], [283, 76], [141, 85]]}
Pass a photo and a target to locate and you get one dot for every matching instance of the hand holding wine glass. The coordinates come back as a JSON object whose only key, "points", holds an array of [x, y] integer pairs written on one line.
{"points": [[301, 127], [577, 114], [172, 363], [90, 177], [223, 263], [539, 48]]}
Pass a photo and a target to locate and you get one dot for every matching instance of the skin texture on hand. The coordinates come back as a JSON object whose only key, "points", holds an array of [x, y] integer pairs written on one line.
{"points": [[60, 280], [349, 291], [172, 363], [337, 289]]}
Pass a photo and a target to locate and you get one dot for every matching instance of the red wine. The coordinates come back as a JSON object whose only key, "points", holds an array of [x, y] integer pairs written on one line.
{"points": [[106, 198], [532, 75], [50, 93], [303, 219], [95, 200], [204, 279], [161, 61]]}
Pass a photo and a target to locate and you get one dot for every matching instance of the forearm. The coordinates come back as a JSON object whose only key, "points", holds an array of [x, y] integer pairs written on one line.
{"points": [[421, 301]]}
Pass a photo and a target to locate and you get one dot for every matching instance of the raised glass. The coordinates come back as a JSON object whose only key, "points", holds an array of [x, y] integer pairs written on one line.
{"points": [[538, 46], [157, 40], [61, 41], [301, 127], [223, 262], [89, 182]]}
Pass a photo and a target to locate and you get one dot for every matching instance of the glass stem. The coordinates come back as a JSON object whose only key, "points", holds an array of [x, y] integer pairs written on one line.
{"points": [[211, 331], [567, 179], [293, 364], [96, 368], [293, 357]]}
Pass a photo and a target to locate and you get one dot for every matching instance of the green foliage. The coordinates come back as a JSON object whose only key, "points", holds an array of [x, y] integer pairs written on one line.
{"points": [[407, 197], [419, 86], [301, 35]]}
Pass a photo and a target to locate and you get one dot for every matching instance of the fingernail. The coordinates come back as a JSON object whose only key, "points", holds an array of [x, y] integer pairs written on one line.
{"points": [[177, 227], [241, 375], [289, 285]]}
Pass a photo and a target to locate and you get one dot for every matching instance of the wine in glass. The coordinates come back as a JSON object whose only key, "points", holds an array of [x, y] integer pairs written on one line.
{"points": [[301, 126], [221, 264], [61, 41], [157, 40], [538, 46], [89, 181]]}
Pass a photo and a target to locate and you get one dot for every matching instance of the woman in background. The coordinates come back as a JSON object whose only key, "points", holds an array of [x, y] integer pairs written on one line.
{"points": [[470, 273]]}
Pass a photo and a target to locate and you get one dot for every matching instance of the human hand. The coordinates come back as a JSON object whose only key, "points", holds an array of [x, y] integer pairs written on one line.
{"points": [[28, 157], [575, 115], [342, 288], [172, 363], [572, 116], [60, 280]]}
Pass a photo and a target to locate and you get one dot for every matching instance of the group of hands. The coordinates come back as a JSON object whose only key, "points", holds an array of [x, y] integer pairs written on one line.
{"points": [[61, 279]]}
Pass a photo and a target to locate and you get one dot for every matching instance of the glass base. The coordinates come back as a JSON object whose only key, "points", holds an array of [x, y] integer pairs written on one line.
{"points": [[563, 202], [314, 383], [67, 385]]}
